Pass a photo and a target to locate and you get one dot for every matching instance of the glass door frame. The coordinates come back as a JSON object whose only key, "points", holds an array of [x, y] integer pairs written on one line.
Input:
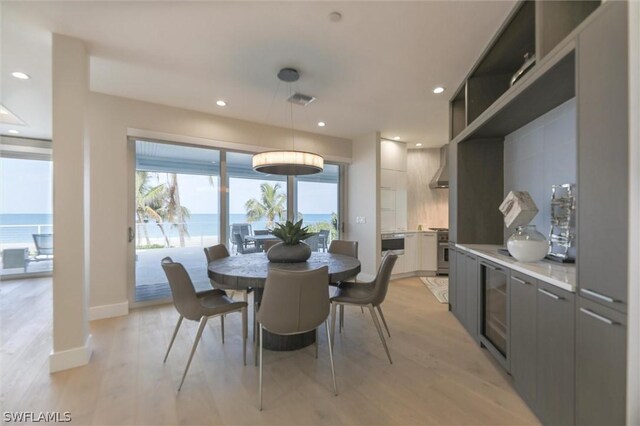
{"points": [[223, 195]]}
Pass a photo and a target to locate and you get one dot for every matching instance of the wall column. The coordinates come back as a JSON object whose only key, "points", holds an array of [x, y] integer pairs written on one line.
{"points": [[70, 89]]}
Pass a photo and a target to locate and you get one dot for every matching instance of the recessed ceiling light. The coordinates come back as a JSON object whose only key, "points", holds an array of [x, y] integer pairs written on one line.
{"points": [[321, 124], [20, 75], [335, 16], [438, 90], [418, 144], [396, 138], [221, 103], [13, 131]]}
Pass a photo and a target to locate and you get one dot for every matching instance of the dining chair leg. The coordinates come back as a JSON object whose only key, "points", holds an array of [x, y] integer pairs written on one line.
{"points": [[260, 379], [333, 321], [384, 322], [245, 333], [255, 319], [203, 322], [341, 326], [175, 333], [316, 345], [222, 327], [377, 323], [362, 309], [333, 371]]}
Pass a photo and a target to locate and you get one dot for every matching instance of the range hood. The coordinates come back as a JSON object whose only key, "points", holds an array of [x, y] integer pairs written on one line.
{"points": [[441, 178]]}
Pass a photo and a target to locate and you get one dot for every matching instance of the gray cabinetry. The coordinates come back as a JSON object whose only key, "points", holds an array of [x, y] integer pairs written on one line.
{"points": [[461, 290], [600, 365], [453, 285], [472, 289], [555, 355], [522, 332], [603, 149]]}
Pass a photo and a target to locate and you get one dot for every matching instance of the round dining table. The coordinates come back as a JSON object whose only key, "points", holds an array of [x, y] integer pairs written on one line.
{"points": [[249, 271]]}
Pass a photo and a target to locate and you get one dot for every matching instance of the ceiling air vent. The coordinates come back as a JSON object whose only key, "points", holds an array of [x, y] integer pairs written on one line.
{"points": [[301, 99]]}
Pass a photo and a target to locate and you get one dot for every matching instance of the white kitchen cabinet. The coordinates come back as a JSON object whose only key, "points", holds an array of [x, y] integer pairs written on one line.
{"points": [[387, 220], [387, 179], [401, 210], [387, 199], [393, 155], [412, 252], [428, 252], [399, 267]]}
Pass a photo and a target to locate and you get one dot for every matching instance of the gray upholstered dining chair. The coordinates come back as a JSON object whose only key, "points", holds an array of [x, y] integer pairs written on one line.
{"points": [[346, 248], [219, 251], [199, 307], [370, 294], [295, 302]]}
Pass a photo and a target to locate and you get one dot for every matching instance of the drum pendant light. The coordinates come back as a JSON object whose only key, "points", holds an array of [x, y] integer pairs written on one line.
{"points": [[288, 162]]}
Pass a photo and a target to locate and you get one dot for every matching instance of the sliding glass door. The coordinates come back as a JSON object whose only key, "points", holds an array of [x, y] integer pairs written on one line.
{"points": [[256, 203], [26, 220], [177, 213], [317, 203], [187, 198]]}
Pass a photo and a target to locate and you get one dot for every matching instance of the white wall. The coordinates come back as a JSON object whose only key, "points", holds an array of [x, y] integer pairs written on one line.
{"points": [[633, 356], [363, 200], [541, 154], [425, 206], [111, 119]]}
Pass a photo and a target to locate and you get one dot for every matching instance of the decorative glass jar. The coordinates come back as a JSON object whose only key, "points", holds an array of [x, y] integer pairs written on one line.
{"points": [[527, 244]]}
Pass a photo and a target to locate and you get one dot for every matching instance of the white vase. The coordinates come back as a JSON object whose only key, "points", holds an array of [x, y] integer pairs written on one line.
{"points": [[527, 244]]}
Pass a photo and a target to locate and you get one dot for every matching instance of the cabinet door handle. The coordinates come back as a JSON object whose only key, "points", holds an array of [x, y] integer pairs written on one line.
{"points": [[596, 316], [548, 293], [597, 295], [518, 280]]}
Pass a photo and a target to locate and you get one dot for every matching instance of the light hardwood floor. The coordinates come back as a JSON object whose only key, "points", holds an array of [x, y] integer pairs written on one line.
{"points": [[439, 375]]}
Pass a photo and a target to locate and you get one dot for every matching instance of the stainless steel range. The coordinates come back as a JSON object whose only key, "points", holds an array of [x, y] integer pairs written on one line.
{"points": [[443, 250]]}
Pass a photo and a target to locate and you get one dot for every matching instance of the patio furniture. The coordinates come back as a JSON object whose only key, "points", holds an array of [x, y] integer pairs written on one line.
{"points": [[324, 238], [242, 247], [370, 294], [313, 242], [295, 302], [15, 258], [44, 247], [244, 229], [251, 270], [262, 232], [199, 307]]}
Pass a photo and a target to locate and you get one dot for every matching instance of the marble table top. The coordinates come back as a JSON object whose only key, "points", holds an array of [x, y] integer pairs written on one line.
{"points": [[250, 270]]}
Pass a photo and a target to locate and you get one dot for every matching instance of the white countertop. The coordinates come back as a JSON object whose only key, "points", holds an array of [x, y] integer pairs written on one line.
{"points": [[426, 231], [562, 275]]}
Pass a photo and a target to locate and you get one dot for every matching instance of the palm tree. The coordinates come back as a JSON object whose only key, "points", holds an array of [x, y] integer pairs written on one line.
{"points": [[173, 211], [149, 199], [272, 203]]}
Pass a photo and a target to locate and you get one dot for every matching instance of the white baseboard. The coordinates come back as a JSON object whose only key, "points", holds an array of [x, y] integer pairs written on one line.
{"points": [[108, 311], [71, 358]]}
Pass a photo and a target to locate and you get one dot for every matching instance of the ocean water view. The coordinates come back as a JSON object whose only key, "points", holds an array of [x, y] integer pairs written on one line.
{"points": [[18, 229]]}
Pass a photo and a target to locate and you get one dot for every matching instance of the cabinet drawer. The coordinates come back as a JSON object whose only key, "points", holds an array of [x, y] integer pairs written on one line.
{"points": [[601, 347]]}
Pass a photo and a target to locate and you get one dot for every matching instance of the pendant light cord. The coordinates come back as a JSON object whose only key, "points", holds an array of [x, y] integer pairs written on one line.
{"points": [[293, 134]]}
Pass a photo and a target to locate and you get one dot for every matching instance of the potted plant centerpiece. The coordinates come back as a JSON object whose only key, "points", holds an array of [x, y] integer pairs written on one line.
{"points": [[292, 249]]}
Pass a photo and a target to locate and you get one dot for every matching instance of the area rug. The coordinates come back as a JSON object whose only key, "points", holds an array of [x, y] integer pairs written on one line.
{"points": [[439, 286]]}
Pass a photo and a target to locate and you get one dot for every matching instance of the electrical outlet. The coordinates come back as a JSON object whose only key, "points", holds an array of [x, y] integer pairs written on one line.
{"points": [[361, 219]]}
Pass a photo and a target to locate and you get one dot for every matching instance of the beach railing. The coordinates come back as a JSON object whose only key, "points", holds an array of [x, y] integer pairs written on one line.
{"points": [[18, 236]]}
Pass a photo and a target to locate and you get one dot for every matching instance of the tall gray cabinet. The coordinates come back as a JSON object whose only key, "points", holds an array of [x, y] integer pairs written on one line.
{"points": [[578, 342]]}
